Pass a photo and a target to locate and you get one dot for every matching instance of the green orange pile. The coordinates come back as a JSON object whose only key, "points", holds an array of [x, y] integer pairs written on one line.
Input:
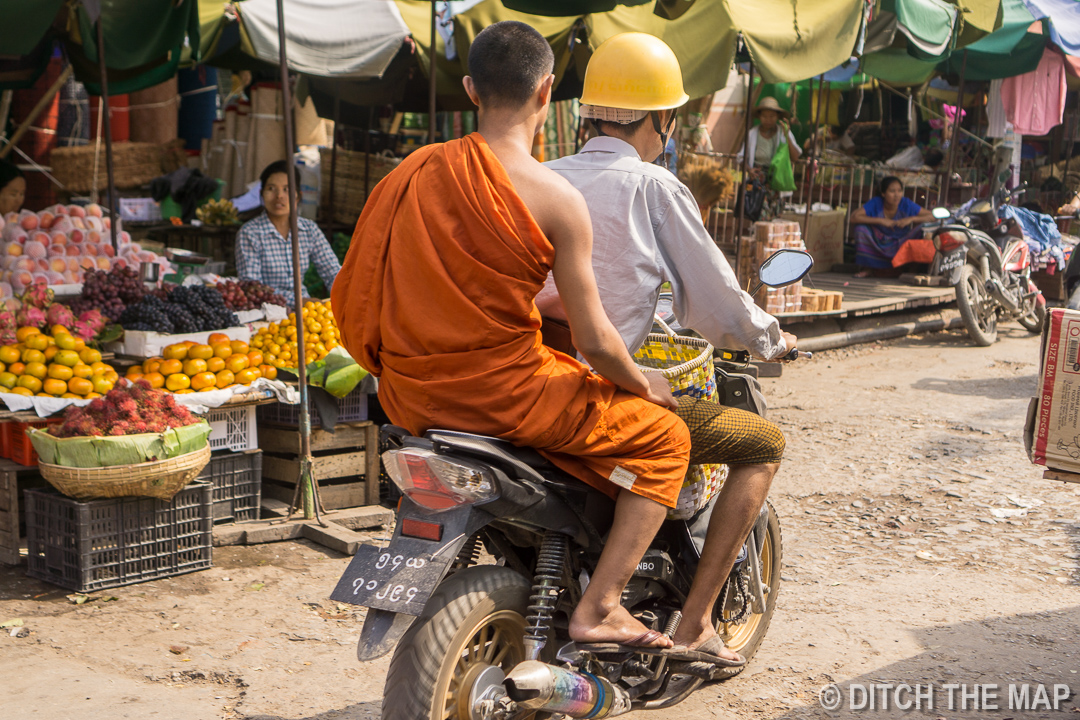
{"points": [[54, 365]]}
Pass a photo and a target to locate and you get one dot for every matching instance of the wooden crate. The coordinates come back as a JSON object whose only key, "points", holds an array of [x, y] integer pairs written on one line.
{"points": [[13, 479], [1052, 286], [342, 463]]}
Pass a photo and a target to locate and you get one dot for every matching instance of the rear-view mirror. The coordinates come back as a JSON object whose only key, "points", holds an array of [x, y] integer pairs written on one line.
{"points": [[785, 267], [940, 213]]}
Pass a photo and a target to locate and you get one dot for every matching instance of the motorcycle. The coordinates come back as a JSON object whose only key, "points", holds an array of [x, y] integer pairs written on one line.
{"points": [[485, 637], [990, 268]]}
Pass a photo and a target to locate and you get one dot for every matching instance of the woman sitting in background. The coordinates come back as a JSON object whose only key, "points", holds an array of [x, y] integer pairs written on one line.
{"points": [[12, 188], [264, 244], [883, 224]]}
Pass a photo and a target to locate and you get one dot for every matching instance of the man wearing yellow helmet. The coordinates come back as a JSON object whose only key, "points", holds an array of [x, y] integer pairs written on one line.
{"points": [[647, 231]]}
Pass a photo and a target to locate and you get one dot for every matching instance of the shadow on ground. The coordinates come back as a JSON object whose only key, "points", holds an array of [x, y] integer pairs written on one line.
{"points": [[1002, 388], [359, 711], [1034, 650]]}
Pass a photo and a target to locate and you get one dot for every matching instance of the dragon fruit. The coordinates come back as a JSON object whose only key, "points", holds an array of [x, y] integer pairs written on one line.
{"points": [[94, 319], [30, 316], [58, 314], [7, 327], [38, 295], [83, 330]]}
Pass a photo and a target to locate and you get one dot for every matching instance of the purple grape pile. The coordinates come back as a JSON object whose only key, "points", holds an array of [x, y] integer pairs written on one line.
{"points": [[248, 295], [110, 292]]}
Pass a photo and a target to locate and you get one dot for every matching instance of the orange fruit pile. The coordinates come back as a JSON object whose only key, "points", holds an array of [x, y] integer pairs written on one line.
{"points": [[278, 340], [54, 365], [188, 366]]}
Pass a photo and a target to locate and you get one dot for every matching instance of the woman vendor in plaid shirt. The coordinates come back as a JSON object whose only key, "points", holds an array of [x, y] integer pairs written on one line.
{"points": [[263, 247]]}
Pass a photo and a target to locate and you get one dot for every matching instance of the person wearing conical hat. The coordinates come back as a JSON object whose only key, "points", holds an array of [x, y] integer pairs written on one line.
{"points": [[767, 137]]}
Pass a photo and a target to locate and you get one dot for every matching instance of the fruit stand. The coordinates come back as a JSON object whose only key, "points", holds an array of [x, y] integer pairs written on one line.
{"points": [[59, 356]]}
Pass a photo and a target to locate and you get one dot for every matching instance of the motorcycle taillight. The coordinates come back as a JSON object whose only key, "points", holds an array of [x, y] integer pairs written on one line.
{"points": [[948, 241], [436, 481]]}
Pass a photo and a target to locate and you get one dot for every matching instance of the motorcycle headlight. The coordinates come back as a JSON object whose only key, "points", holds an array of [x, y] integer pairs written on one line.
{"points": [[437, 482]]}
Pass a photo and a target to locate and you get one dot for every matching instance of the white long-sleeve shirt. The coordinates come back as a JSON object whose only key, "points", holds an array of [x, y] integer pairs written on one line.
{"points": [[647, 230]]}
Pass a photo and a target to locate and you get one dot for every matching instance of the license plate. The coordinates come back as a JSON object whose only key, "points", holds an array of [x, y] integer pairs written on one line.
{"points": [[953, 260], [399, 578]]}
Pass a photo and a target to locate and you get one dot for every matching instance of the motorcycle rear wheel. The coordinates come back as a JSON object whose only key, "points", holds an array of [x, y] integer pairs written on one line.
{"points": [[475, 617], [979, 318], [745, 638]]}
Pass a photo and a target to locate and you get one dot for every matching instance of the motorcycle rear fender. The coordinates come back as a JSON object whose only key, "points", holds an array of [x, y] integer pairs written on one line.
{"points": [[382, 628], [546, 511]]}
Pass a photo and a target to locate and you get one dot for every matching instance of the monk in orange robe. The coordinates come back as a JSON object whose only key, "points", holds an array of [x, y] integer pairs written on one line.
{"points": [[436, 298]]}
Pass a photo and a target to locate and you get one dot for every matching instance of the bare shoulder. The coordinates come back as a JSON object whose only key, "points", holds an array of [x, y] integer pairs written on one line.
{"points": [[555, 204]]}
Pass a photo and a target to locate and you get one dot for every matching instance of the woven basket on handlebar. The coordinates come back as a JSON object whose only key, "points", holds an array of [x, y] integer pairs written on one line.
{"points": [[686, 363]]}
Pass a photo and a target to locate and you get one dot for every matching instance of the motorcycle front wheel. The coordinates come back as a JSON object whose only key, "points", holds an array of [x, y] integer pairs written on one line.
{"points": [[976, 309], [474, 619], [744, 635], [1033, 321]]}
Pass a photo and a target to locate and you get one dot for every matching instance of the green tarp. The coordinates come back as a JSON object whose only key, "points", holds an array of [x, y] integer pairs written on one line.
{"points": [[788, 41], [1006, 51], [792, 41], [25, 24], [144, 41]]}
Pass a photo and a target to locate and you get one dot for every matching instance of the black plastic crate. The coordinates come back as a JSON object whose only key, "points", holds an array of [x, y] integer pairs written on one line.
{"points": [[237, 480], [351, 408], [102, 544]]}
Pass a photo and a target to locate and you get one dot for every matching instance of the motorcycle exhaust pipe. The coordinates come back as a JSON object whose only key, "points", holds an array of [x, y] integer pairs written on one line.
{"points": [[534, 685], [995, 288]]}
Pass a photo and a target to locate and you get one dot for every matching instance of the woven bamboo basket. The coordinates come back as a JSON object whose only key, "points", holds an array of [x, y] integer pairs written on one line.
{"points": [[134, 164], [349, 195], [686, 363], [158, 479]]}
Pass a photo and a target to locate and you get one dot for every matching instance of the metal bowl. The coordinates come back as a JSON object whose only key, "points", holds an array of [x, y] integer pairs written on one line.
{"points": [[186, 256]]}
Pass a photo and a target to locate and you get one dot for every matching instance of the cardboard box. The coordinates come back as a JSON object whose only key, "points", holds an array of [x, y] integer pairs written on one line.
{"points": [[143, 344], [825, 238], [1052, 434]]}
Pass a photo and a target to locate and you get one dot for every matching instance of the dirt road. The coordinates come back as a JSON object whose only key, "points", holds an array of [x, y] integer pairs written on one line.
{"points": [[921, 548]]}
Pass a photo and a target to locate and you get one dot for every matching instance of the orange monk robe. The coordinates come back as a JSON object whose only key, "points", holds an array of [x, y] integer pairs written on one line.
{"points": [[435, 297]]}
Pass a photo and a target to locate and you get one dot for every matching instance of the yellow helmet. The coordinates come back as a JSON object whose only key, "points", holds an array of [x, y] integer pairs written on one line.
{"points": [[634, 71]]}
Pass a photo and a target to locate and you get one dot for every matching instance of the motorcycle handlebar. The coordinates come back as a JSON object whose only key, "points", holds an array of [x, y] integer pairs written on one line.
{"points": [[742, 357]]}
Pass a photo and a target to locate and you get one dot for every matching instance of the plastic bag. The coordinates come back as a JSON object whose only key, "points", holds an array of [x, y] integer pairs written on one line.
{"points": [[781, 173]]}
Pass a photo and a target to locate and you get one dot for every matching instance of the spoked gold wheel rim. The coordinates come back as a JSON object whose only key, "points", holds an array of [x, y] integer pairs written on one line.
{"points": [[737, 635], [495, 640]]}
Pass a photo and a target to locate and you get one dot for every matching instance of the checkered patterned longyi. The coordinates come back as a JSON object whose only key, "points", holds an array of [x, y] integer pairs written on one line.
{"points": [[720, 434]]}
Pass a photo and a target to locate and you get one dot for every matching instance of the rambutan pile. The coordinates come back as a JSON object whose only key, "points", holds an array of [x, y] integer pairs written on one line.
{"points": [[131, 408]]}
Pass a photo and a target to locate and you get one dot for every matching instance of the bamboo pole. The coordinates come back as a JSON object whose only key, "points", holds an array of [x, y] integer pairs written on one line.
{"points": [[954, 138], [333, 153], [813, 153], [105, 122], [431, 75], [306, 485], [745, 165]]}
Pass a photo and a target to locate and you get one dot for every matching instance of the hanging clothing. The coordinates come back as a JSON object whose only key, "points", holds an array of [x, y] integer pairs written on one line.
{"points": [[995, 111], [1040, 231], [436, 298], [1035, 101]]}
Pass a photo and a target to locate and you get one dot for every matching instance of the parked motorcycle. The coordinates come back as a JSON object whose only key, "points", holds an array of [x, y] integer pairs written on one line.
{"points": [[990, 267], [485, 637]]}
